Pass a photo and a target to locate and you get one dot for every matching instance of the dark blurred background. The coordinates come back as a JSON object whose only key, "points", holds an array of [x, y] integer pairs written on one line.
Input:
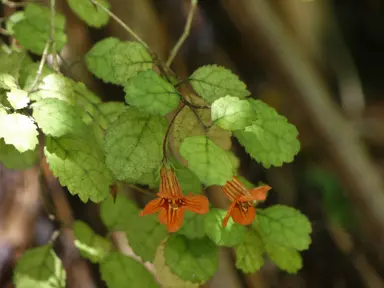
{"points": [[318, 62]]}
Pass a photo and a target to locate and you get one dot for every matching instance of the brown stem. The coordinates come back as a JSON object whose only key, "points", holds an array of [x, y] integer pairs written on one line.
{"points": [[165, 141]]}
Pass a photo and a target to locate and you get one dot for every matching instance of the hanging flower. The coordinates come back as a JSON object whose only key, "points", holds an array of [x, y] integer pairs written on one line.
{"points": [[241, 209], [171, 203]]}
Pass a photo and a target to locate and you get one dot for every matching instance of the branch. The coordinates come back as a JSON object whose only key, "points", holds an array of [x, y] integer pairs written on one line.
{"points": [[13, 4], [257, 20], [185, 34], [55, 66], [168, 130], [118, 20], [41, 66]]}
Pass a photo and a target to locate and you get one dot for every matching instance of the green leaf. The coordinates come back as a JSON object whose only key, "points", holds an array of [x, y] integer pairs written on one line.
{"points": [[287, 259], [187, 125], [116, 214], [129, 58], [111, 110], [39, 268], [13, 159], [19, 131], [228, 236], [7, 82], [231, 113], [212, 82], [187, 179], [99, 59], [144, 235], [270, 140], [79, 165], [151, 93], [285, 226], [18, 98], [165, 275], [246, 183], [90, 13], [249, 253], [133, 144], [118, 271], [234, 160], [91, 245], [11, 61], [33, 31], [193, 225], [195, 260], [57, 118], [13, 19], [207, 160], [151, 179]]}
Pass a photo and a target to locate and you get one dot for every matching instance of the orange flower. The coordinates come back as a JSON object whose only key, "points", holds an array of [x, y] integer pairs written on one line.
{"points": [[171, 203], [241, 209]]}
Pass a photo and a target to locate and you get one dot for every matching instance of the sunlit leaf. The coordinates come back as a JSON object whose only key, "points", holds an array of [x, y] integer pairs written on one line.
{"points": [[79, 165], [18, 98], [57, 118], [90, 245], [231, 113], [90, 13], [270, 140], [39, 268], [19, 131]]}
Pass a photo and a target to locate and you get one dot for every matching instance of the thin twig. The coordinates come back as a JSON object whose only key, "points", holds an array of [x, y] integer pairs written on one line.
{"points": [[118, 20], [185, 34], [55, 66], [205, 127], [13, 4], [41, 66], [168, 130], [141, 190], [4, 32], [193, 106]]}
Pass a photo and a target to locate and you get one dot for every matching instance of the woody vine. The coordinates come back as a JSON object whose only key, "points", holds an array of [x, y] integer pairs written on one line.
{"points": [[96, 148]]}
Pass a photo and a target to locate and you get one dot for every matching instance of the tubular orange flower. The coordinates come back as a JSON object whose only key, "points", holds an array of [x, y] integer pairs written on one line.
{"points": [[171, 203], [241, 209]]}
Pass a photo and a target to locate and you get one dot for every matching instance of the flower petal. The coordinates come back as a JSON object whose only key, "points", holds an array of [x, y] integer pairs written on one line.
{"points": [[174, 219], [162, 216], [198, 204], [243, 217], [169, 186], [229, 213], [258, 193], [153, 206]]}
